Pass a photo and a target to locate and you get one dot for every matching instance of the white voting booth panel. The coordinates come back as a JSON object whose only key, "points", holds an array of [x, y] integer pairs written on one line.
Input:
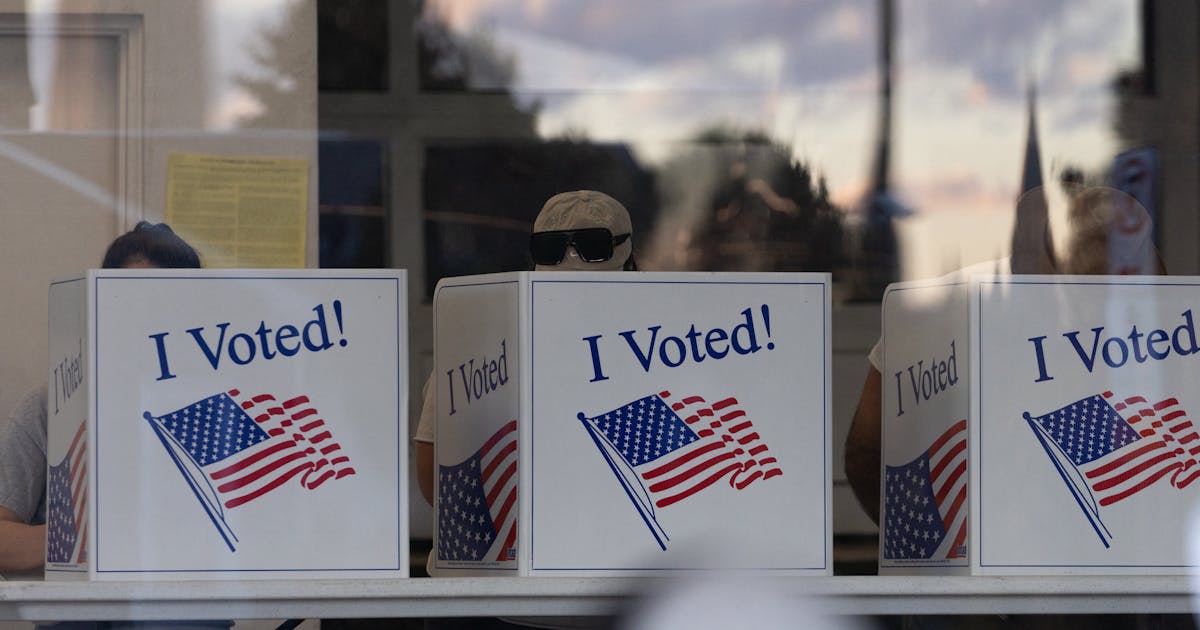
{"points": [[227, 425], [1078, 452], [1084, 391], [627, 423], [925, 403]]}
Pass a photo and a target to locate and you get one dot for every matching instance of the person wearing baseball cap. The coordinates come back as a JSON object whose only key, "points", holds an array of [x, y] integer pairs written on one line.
{"points": [[582, 230]]}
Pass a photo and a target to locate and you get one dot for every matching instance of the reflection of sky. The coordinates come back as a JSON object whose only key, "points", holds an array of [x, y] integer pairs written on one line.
{"points": [[235, 29], [654, 73]]}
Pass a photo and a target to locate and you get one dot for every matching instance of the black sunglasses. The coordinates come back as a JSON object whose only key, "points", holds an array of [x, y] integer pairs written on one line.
{"points": [[592, 245]]}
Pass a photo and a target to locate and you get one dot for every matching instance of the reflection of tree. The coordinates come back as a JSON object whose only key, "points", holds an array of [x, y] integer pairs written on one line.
{"points": [[448, 62], [741, 203], [277, 56]]}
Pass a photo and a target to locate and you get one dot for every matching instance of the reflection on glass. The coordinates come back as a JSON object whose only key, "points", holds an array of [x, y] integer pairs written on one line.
{"points": [[945, 166]]}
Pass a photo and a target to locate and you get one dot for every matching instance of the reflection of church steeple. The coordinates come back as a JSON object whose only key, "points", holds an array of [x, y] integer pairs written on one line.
{"points": [[878, 253], [1032, 245]]}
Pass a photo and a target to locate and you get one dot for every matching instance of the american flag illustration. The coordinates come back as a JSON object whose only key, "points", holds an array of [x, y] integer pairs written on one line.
{"points": [[477, 511], [664, 451], [66, 522], [233, 449], [1107, 450], [924, 511]]}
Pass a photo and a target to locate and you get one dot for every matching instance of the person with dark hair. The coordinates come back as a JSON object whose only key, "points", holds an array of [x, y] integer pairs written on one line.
{"points": [[150, 245], [23, 438]]}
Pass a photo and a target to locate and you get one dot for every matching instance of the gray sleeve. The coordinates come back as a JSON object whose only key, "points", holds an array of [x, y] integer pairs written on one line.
{"points": [[23, 458]]}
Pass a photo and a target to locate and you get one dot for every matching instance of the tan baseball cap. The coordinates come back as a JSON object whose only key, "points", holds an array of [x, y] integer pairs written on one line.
{"points": [[580, 209]]}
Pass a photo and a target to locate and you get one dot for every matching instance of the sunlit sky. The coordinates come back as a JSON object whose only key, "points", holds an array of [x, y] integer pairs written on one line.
{"points": [[651, 74]]}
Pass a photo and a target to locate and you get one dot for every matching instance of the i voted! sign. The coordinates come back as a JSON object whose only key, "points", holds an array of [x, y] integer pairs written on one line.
{"points": [[1084, 439], [607, 423], [213, 424]]}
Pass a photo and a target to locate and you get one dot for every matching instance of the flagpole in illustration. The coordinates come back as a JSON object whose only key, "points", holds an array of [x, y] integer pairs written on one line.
{"points": [[1086, 503], [207, 500], [637, 493]]}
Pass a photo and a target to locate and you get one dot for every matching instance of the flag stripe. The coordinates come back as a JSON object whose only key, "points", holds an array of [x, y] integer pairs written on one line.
{"points": [[746, 439], [258, 473], [684, 476], [510, 447], [946, 460], [1127, 474], [500, 435], [510, 538], [710, 480], [681, 460], [945, 490], [717, 406], [81, 554], [959, 498], [504, 477], [510, 499], [1119, 462], [1109, 500], [1163, 404], [751, 478], [274, 483], [950, 434], [1182, 481], [252, 459], [319, 480]]}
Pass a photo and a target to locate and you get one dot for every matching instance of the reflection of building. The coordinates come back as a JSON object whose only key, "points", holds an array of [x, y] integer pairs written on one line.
{"points": [[877, 252], [1158, 107]]}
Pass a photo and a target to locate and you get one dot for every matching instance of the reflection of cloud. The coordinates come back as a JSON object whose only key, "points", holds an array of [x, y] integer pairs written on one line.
{"points": [[959, 190], [822, 40], [1001, 42], [806, 74], [230, 107], [234, 30]]}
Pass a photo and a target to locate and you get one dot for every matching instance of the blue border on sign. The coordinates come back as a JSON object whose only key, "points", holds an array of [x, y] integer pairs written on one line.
{"points": [[464, 565], [400, 509], [978, 360], [826, 485]]}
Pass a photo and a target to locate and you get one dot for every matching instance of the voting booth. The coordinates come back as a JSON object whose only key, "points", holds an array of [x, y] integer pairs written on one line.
{"points": [[227, 425], [608, 423], [924, 414], [1081, 444]]}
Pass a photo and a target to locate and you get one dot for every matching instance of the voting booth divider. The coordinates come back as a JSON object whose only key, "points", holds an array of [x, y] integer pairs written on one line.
{"points": [[1063, 427], [925, 402], [207, 424], [624, 423]]}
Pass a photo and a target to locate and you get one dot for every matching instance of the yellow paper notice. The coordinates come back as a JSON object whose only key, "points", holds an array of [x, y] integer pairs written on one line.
{"points": [[240, 211]]}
